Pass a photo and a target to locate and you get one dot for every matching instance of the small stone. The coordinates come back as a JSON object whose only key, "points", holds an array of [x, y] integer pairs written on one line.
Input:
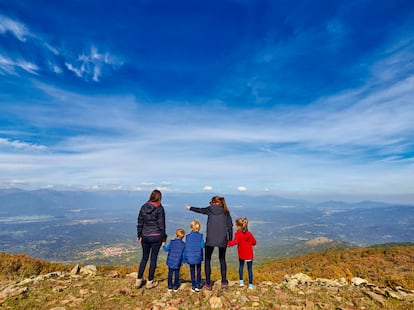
{"points": [[215, 302]]}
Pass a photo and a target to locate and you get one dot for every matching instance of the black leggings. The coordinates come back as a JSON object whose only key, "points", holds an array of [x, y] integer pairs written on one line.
{"points": [[223, 266]]}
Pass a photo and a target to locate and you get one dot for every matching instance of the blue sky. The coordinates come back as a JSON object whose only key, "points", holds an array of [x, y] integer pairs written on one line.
{"points": [[306, 99]]}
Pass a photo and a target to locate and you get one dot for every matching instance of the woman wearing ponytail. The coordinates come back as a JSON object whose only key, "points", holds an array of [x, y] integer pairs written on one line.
{"points": [[219, 231]]}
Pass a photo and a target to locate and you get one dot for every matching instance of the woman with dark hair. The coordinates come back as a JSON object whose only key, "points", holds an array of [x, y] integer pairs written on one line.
{"points": [[151, 234], [219, 231]]}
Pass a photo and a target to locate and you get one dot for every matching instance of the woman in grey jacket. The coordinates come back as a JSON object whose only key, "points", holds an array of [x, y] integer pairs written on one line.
{"points": [[219, 231]]}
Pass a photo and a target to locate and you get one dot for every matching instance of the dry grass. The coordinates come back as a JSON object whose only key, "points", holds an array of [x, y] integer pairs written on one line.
{"points": [[390, 266]]}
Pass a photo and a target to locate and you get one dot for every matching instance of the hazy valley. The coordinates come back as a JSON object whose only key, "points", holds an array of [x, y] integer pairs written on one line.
{"points": [[100, 227]]}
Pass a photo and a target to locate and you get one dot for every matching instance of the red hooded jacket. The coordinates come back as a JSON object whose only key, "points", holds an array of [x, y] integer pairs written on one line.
{"points": [[245, 242]]}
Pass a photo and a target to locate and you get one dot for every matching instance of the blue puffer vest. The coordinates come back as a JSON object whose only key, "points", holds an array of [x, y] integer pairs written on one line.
{"points": [[193, 250], [175, 254]]}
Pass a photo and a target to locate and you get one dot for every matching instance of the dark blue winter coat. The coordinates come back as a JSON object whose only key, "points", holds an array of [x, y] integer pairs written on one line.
{"points": [[194, 245], [151, 221], [175, 251]]}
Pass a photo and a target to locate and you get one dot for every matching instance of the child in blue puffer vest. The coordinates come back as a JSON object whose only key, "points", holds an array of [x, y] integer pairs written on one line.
{"points": [[193, 253], [175, 251]]}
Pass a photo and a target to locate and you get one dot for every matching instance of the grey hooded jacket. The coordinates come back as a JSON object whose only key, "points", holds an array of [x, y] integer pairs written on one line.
{"points": [[219, 225]]}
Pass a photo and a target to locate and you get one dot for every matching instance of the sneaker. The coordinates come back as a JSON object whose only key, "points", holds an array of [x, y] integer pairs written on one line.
{"points": [[151, 284], [176, 289], [224, 285], [195, 289], [207, 286], [251, 286], [241, 283], [138, 283], [170, 289]]}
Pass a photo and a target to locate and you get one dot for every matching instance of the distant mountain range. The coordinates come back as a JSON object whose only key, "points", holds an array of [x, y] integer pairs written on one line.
{"points": [[61, 225]]}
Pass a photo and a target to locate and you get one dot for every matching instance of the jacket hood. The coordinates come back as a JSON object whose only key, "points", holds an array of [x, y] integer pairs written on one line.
{"points": [[149, 208], [215, 209], [245, 235]]}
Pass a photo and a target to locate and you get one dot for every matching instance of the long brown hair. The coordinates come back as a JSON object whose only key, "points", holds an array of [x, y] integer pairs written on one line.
{"points": [[221, 201], [155, 196]]}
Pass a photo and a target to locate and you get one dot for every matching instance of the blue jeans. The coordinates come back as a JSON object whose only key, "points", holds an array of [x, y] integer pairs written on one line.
{"points": [[173, 273], [150, 245], [207, 265], [195, 273], [249, 269]]}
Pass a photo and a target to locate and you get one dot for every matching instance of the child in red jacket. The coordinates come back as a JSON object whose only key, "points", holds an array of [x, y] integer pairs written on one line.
{"points": [[245, 241]]}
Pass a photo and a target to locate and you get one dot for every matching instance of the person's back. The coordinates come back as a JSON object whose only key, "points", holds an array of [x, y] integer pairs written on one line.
{"points": [[175, 253], [193, 248], [219, 226], [151, 220], [245, 242]]}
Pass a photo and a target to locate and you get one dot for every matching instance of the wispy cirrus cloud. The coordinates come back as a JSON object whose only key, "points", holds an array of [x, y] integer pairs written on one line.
{"points": [[10, 66], [88, 66], [19, 30], [93, 65]]}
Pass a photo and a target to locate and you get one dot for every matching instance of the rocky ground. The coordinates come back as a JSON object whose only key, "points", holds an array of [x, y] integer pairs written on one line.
{"points": [[86, 288]]}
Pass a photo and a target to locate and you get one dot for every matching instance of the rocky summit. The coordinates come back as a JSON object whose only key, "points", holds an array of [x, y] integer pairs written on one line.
{"points": [[87, 288]]}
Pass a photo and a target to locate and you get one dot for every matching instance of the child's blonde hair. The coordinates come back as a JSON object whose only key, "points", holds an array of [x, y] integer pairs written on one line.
{"points": [[180, 233], [195, 225], [242, 223]]}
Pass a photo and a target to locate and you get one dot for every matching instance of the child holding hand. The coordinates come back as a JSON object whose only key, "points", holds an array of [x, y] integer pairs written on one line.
{"points": [[175, 251], [245, 241]]}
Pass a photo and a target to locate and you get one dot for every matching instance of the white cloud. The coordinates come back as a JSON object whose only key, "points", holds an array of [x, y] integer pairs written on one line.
{"points": [[75, 70], [27, 66], [18, 29], [91, 66], [319, 148], [9, 66], [21, 145]]}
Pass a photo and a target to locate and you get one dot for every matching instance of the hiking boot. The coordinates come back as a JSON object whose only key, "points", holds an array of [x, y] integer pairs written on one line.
{"points": [[224, 285], [151, 284], [207, 286], [138, 283]]}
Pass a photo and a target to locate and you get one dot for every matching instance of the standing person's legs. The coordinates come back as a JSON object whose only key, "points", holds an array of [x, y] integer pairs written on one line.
{"points": [[241, 270], [193, 275], [170, 280], [146, 247], [176, 279], [198, 275], [207, 264], [250, 271], [155, 248], [223, 264]]}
